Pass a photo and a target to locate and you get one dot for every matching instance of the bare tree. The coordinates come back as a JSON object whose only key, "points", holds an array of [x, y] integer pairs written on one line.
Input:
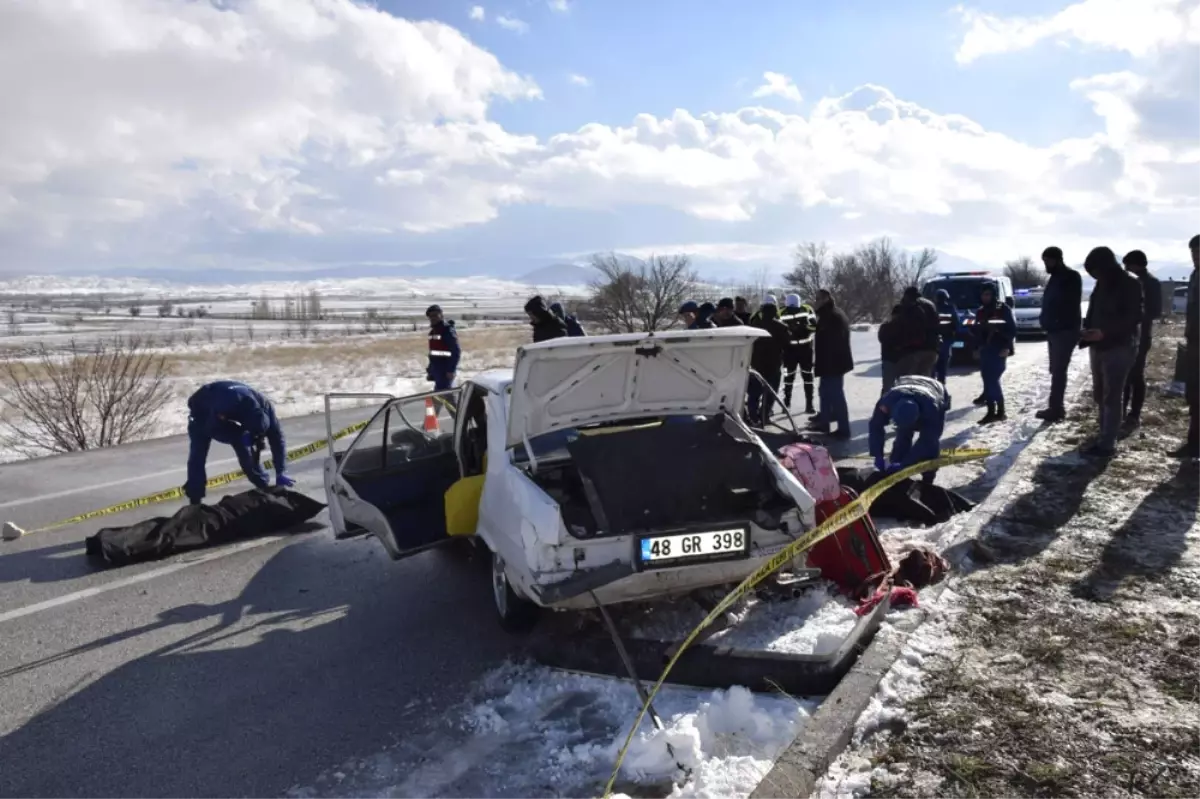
{"points": [[810, 273], [14, 324], [635, 296], [164, 308], [84, 398], [135, 310], [1023, 274]]}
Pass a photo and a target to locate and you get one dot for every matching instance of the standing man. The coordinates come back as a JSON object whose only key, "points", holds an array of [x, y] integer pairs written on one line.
{"points": [[234, 414], [574, 329], [1191, 337], [444, 351], [741, 309], [801, 323], [725, 316], [1134, 395], [919, 321], [948, 326], [766, 358], [546, 326], [1110, 333], [833, 359], [1060, 317], [916, 405], [996, 332], [890, 348]]}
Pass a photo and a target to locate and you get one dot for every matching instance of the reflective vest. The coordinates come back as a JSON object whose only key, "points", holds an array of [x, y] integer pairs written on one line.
{"points": [[438, 348], [801, 323]]}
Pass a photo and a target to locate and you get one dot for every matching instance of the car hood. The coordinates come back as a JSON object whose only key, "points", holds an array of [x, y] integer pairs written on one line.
{"points": [[570, 382]]}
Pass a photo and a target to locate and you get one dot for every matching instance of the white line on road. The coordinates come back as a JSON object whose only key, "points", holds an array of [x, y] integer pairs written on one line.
{"points": [[99, 486], [85, 593]]}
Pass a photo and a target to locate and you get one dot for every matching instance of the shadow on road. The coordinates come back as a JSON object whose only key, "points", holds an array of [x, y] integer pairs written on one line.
{"points": [[323, 656], [45, 564]]}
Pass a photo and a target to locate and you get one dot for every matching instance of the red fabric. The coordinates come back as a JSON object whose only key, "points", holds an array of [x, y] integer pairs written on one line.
{"points": [[852, 558], [901, 597]]}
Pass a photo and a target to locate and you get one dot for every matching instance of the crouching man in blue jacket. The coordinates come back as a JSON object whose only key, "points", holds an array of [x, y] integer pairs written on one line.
{"points": [[917, 405], [234, 414]]}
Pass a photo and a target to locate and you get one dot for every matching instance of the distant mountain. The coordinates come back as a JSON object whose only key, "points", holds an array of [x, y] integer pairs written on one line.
{"points": [[560, 275]]}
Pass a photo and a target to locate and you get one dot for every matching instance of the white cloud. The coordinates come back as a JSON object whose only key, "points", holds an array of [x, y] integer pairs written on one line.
{"points": [[579, 80], [512, 24], [561, 6], [161, 133], [477, 13], [778, 85]]}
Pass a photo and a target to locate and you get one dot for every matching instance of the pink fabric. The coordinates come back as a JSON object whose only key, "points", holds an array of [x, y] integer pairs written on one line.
{"points": [[901, 597], [814, 469]]}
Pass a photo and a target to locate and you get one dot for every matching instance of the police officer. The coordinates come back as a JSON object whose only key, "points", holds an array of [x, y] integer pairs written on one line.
{"points": [[916, 405], [235, 414], [948, 327], [802, 326], [444, 351]]}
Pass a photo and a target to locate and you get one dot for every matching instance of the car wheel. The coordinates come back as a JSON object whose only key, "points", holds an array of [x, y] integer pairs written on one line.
{"points": [[517, 614]]}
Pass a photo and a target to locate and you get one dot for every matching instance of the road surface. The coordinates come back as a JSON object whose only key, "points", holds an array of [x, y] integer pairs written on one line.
{"points": [[252, 668]]}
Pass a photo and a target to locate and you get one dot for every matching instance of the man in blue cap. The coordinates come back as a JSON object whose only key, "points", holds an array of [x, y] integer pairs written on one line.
{"points": [[234, 414], [917, 405]]}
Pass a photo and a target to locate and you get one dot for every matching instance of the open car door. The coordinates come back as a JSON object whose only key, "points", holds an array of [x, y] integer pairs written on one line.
{"points": [[392, 479]]}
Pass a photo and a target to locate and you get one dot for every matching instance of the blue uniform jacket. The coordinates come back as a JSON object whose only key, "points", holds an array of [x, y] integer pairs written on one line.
{"points": [[444, 351], [995, 328], [244, 411], [933, 400]]}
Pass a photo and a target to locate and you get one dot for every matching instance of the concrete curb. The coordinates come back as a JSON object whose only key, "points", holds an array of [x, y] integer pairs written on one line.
{"points": [[797, 771]]}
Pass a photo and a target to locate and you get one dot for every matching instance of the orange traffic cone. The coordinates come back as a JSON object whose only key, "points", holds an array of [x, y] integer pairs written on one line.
{"points": [[431, 418]]}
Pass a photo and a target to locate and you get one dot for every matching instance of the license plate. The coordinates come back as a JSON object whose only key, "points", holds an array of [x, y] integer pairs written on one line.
{"points": [[681, 548], [958, 345]]}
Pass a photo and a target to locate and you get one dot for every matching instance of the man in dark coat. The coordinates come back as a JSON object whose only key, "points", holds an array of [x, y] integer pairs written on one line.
{"points": [[725, 315], [741, 309], [890, 348], [948, 327], [1061, 311], [235, 414], [546, 325], [1134, 395], [802, 327], [574, 329], [995, 330], [919, 321], [1110, 333], [1191, 337], [697, 317], [833, 359], [444, 351], [766, 359]]}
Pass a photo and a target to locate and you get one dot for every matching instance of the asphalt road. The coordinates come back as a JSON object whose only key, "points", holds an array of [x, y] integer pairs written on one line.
{"points": [[247, 669]]}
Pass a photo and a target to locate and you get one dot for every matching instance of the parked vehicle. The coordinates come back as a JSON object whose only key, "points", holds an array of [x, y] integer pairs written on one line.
{"points": [[1179, 300], [609, 468], [964, 288], [1027, 312]]}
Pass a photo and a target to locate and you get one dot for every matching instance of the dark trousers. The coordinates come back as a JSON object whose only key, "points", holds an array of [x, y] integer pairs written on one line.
{"points": [[1134, 396], [759, 401], [991, 369], [1192, 392], [800, 357], [1062, 345], [943, 360]]}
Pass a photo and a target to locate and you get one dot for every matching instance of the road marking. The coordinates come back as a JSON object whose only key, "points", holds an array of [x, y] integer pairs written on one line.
{"points": [[96, 590], [99, 486]]}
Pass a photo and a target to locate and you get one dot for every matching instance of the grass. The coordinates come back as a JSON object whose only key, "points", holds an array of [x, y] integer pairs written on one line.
{"points": [[1078, 663]]}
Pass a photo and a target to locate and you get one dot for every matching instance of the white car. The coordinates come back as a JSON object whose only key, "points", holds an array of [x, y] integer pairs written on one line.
{"points": [[1027, 311], [617, 469]]}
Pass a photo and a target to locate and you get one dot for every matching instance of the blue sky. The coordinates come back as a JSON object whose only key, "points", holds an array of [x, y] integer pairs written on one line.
{"points": [[285, 135]]}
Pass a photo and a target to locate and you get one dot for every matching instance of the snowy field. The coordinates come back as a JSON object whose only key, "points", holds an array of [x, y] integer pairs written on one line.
{"points": [[565, 730]]}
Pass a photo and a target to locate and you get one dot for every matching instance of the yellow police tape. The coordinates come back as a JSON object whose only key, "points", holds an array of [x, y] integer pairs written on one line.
{"points": [[213, 482], [844, 516]]}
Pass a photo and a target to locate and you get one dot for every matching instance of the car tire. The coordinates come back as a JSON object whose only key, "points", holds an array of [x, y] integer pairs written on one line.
{"points": [[516, 613]]}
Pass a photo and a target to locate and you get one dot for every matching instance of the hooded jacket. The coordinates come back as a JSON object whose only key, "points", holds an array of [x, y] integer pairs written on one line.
{"points": [[832, 354], [890, 345], [1115, 307], [546, 325], [767, 356], [948, 323], [574, 329], [230, 412], [918, 323], [932, 399], [1062, 301]]}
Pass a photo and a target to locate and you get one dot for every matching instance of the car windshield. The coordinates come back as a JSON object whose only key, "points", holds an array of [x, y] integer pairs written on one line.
{"points": [[964, 292], [1029, 300]]}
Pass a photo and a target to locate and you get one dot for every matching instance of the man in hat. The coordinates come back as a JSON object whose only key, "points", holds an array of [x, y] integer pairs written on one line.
{"points": [[767, 359], [444, 351], [725, 315]]}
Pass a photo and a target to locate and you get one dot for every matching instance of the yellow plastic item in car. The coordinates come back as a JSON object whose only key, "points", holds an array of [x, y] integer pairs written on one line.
{"points": [[462, 504]]}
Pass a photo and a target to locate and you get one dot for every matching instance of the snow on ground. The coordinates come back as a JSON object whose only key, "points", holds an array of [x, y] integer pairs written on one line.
{"points": [[1073, 628]]}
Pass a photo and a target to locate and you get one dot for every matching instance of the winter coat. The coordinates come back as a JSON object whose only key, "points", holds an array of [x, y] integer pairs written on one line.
{"points": [[767, 355], [995, 328], [732, 321], [546, 325], [1115, 309], [1061, 301], [948, 323], [801, 324], [932, 399], [704, 318], [1191, 326], [1151, 307], [444, 351], [918, 326], [890, 347], [832, 354], [226, 411], [574, 329], [743, 316]]}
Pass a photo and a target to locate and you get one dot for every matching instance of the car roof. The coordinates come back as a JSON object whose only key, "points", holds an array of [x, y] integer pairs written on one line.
{"points": [[497, 380]]}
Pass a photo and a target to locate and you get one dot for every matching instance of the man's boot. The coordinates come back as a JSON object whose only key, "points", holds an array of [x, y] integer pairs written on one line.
{"points": [[990, 416], [979, 401], [809, 410], [1001, 416], [1051, 415]]}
